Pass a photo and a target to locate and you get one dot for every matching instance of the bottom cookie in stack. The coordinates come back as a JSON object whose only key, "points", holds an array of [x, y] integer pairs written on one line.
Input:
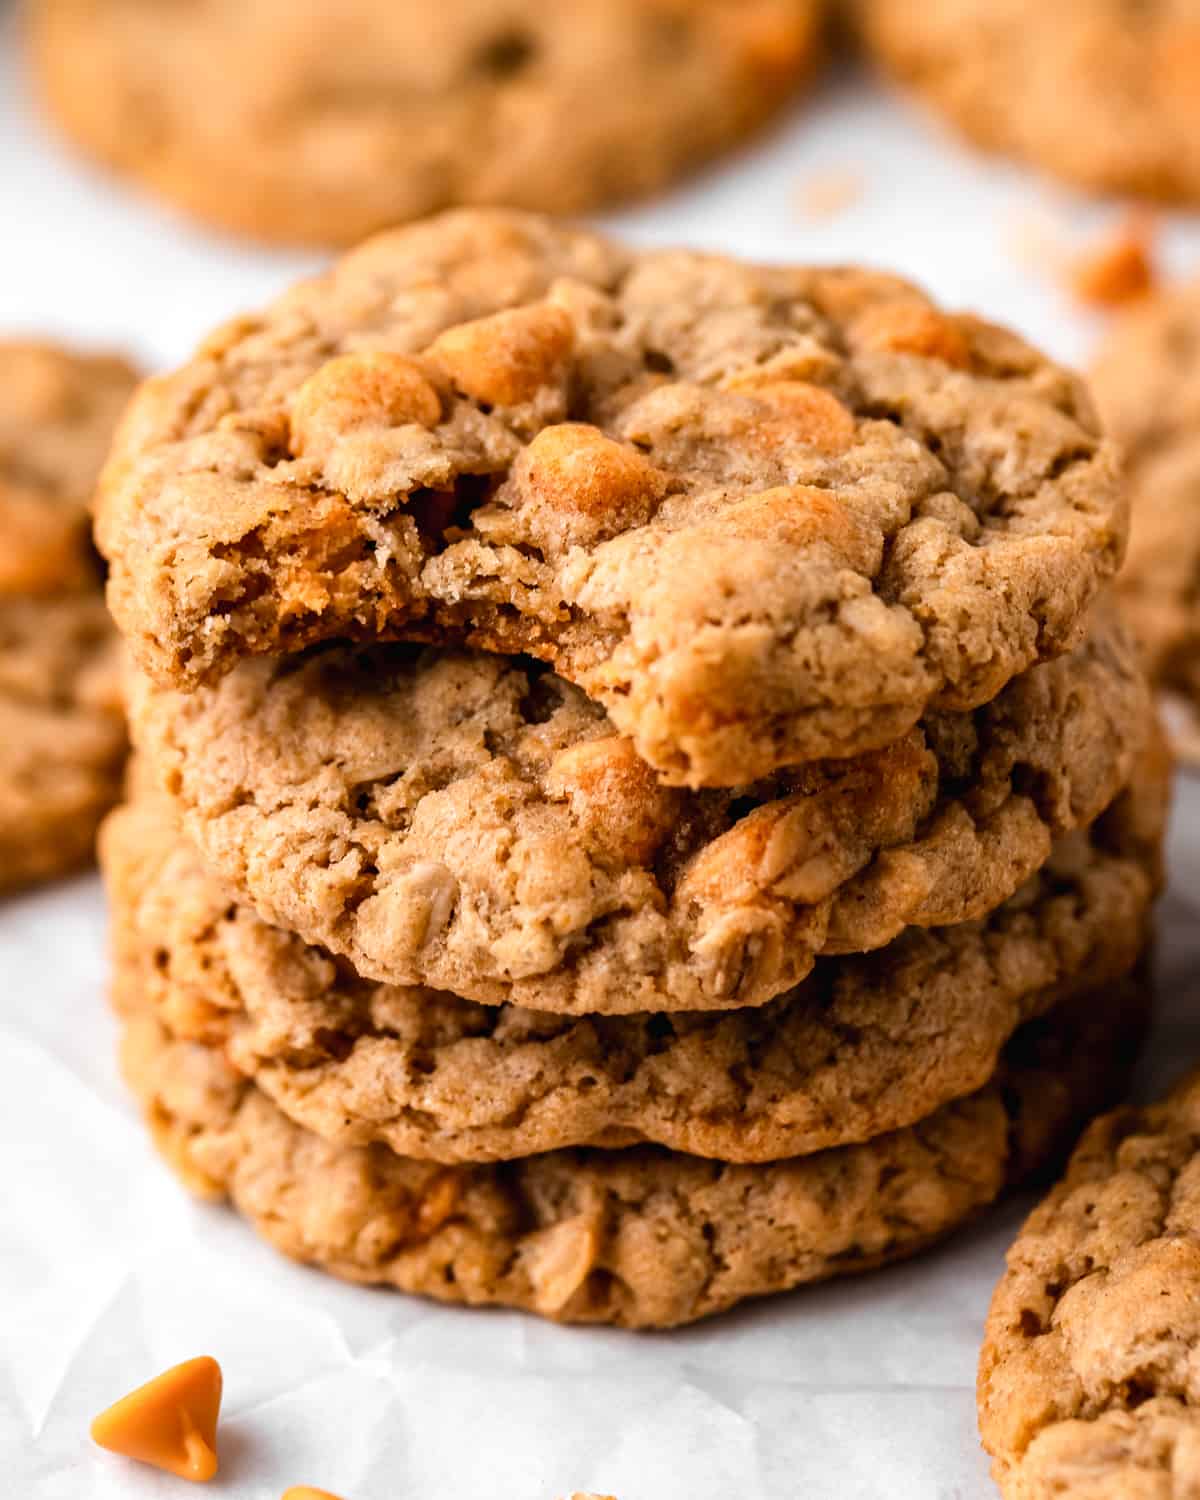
{"points": [[856, 1120]]}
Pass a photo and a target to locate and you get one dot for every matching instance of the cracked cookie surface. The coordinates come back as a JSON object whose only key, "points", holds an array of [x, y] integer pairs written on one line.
{"points": [[864, 1046], [474, 823], [62, 733], [333, 119], [1088, 1380], [763, 515], [1147, 380], [1101, 92], [639, 1238]]}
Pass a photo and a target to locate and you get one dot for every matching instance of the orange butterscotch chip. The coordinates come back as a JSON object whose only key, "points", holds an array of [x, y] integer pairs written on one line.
{"points": [[901, 326], [306, 1492], [170, 1422], [507, 357], [809, 413], [584, 486], [803, 516], [621, 808], [360, 390]]}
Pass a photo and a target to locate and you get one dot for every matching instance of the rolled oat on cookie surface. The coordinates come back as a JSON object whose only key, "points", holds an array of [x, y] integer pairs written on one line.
{"points": [[1088, 1374]]}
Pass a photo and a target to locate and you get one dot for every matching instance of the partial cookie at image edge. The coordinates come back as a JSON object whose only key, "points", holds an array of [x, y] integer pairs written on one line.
{"points": [[816, 504], [329, 123], [474, 824]]}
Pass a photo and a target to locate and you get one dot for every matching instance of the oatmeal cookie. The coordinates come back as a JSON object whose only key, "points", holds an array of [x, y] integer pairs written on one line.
{"points": [[1147, 379], [473, 823], [1099, 92], [1088, 1380], [762, 515], [325, 121], [62, 734]]}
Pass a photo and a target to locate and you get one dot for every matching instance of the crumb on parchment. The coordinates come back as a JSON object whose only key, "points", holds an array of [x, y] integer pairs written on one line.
{"points": [[829, 192]]}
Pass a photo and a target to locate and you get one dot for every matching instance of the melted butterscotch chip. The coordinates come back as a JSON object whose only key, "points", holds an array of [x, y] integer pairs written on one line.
{"points": [[1119, 271]]}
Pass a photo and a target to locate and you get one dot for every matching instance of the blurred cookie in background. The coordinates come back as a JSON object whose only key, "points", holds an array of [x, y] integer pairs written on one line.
{"points": [[1147, 381], [323, 122], [1099, 92], [62, 730]]}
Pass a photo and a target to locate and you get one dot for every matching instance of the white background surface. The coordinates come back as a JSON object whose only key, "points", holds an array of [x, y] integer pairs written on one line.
{"points": [[108, 1273]]}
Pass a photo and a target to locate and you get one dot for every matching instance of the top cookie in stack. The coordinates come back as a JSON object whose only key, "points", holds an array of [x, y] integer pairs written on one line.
{"points": [[761, 516], [531, 629]]}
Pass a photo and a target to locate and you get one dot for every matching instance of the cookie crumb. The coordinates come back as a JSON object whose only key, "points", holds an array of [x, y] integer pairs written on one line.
{"points": [[170, 1422], [1120, 270], [829, 193]]}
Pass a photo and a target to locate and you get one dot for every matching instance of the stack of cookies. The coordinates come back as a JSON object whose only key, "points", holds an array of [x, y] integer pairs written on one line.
{"points": [[642, 799]]}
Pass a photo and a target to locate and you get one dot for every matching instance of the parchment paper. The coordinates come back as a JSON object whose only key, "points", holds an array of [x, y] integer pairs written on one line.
{"points": [[108, 1273]]}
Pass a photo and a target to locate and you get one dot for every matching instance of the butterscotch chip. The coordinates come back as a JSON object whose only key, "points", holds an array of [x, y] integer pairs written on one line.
{"points": [[62, 735], [641, 1237], [762, 515], [1147, 379], [170, 1422], [475, 824], [861, 1047], [1087, 89], [328, 123], [1088, 1375]]}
